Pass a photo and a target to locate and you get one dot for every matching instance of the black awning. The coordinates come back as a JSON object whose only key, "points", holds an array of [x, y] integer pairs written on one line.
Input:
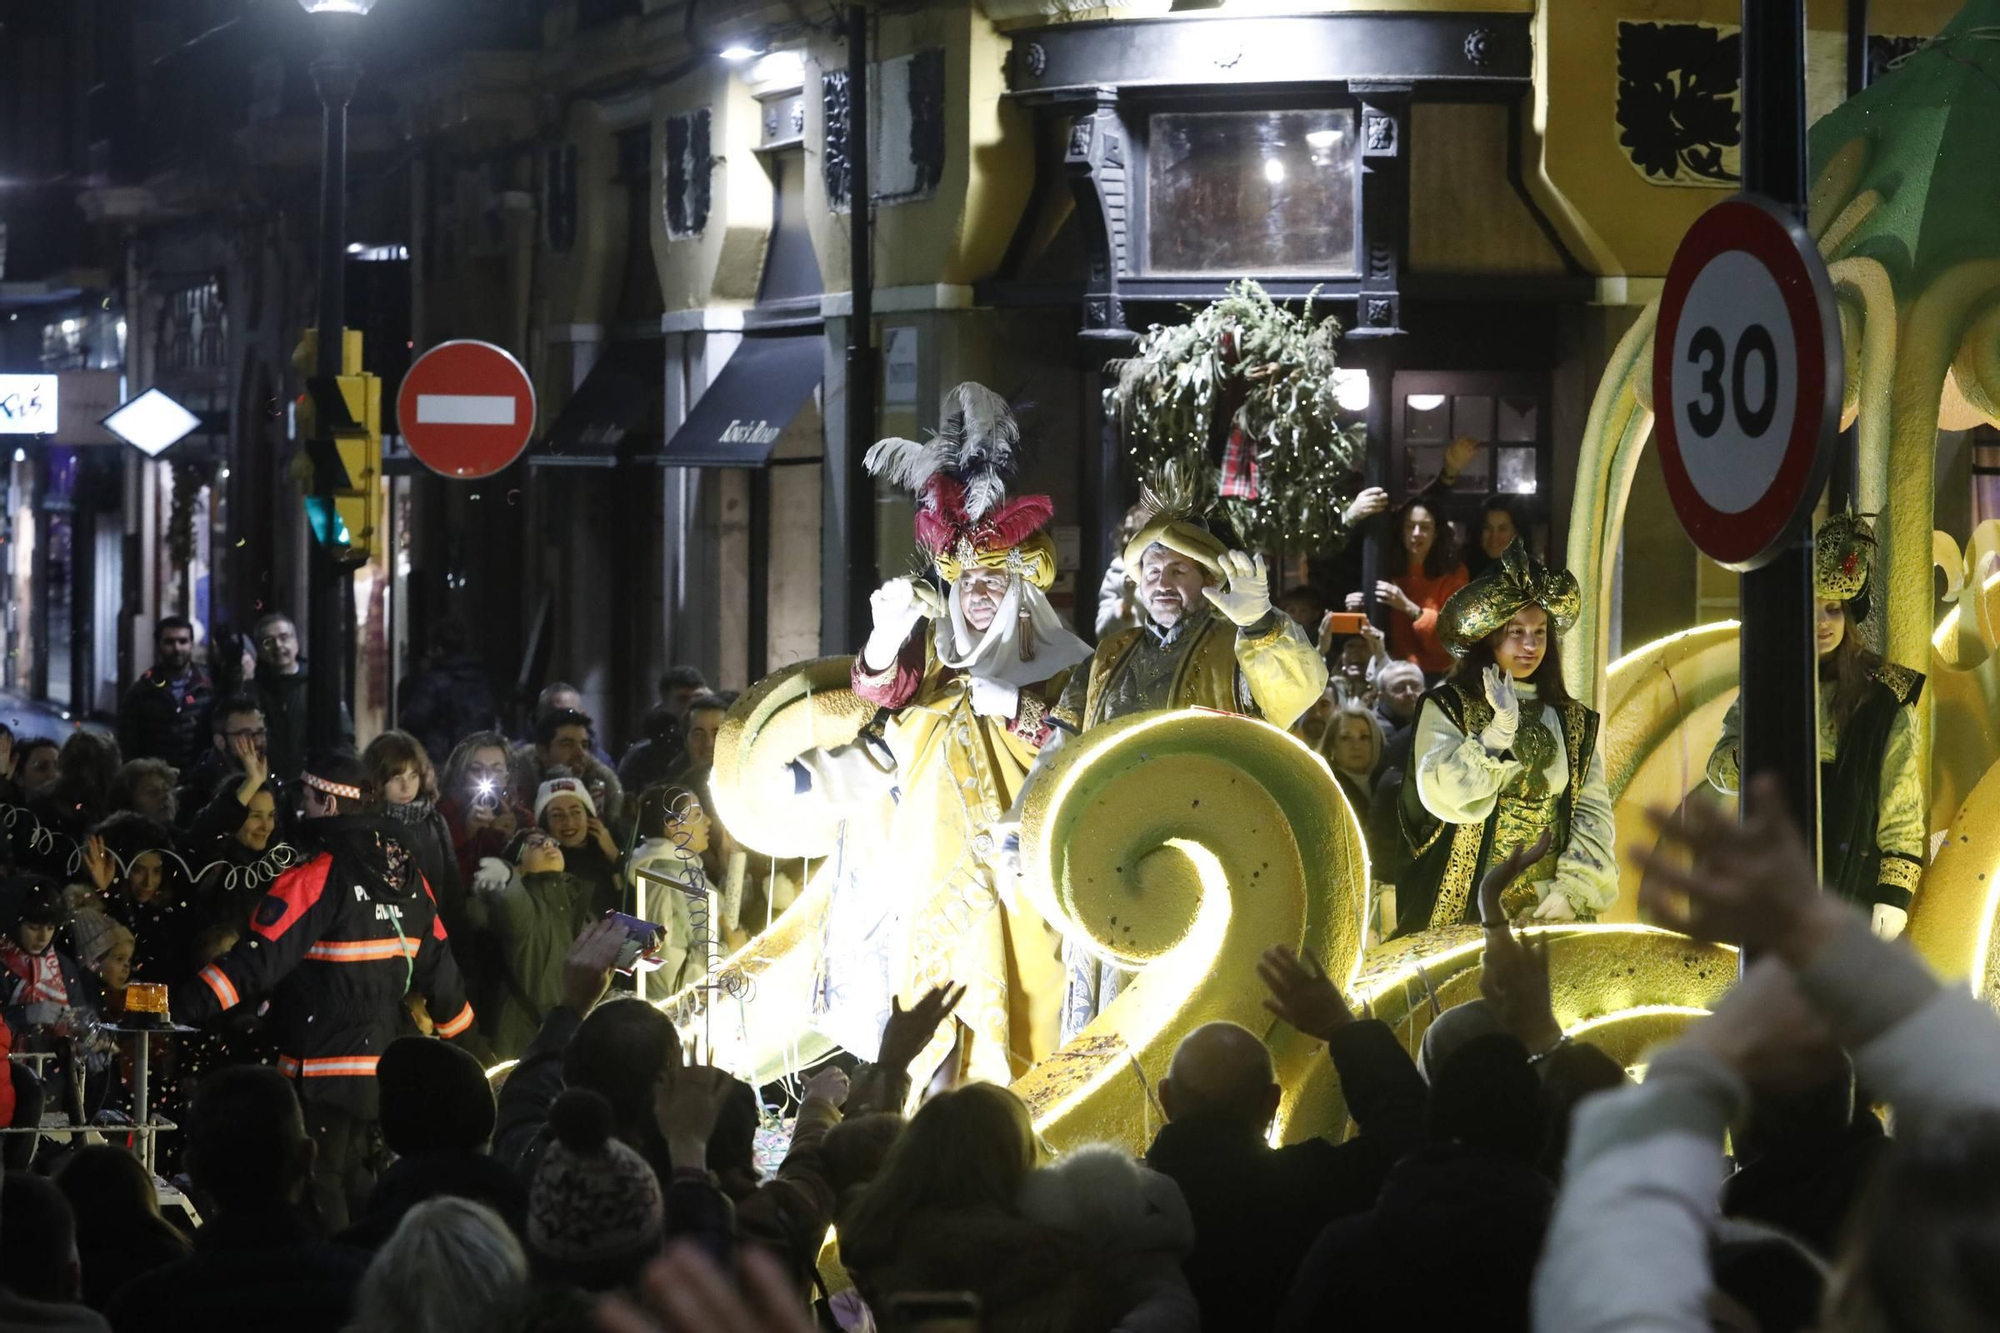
{"points": [[614, 414], [737, 421]]}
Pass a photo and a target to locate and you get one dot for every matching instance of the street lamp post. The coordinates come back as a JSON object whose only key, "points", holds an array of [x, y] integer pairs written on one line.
{"points": [[330, 610]]}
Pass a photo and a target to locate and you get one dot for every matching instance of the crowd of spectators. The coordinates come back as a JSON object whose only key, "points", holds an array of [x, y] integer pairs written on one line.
{"points": [[1508, 1177]]}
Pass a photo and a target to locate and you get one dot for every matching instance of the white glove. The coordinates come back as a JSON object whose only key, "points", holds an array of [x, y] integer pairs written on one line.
{"points": [[1888, 921], [1499, 733], [1556, 907], [897, 607], [493, 875], [1248, 599], [994, 698]]}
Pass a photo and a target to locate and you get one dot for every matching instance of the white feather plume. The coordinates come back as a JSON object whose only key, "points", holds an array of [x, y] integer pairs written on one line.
{"points": [[903, 462], [977, 444]]}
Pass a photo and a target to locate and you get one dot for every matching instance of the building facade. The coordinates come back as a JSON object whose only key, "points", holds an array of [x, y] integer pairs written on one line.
{"points": [[652, 204]]}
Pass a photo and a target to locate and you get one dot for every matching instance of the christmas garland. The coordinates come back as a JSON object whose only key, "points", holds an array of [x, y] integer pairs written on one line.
{"points": [[189, 478], [1241, 400]]}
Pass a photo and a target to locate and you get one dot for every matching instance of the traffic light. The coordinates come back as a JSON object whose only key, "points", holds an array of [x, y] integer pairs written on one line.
{"points": [[340, 420]]}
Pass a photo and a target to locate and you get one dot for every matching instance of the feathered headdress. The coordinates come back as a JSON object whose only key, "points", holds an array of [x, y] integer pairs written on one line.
{"points": [[960, 480]]}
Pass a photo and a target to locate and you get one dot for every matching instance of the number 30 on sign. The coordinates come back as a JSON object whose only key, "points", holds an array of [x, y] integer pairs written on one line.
{"points": [[1746, 379]]}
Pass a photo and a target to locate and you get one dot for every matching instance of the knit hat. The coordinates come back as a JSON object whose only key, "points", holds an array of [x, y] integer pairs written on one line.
{"points": [[96, 936], [563, 785], [595, 1211], [434, 1096], [337, 773]]}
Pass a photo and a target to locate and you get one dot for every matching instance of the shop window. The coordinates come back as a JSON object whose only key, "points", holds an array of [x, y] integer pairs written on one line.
{"points": [[686, 166], [194, 328], [1251, 192], [1506, 414]]}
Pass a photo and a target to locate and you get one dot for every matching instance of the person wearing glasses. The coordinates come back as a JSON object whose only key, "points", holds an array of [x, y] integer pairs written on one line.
{"points": [[239, 750], [281, 690]]}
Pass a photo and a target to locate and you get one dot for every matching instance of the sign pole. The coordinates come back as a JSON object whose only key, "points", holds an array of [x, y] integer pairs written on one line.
{"points": [[1780, 673]]}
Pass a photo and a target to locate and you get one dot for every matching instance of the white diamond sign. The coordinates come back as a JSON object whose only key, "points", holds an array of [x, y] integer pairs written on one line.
{"points": [[152, 423]]}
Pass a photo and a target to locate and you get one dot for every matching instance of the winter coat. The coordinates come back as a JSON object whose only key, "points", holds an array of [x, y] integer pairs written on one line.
{"points": [[30, 981], [249, 1273], [235, 879], [167, 719], [533, 921], [697, 1211], [447, 701], [1382, 1269], [589, 864], [1258, 1209], [339, 940], [1807, 1188], [287, 719], [451, 1173], [1095, 1244], [649, 761]]}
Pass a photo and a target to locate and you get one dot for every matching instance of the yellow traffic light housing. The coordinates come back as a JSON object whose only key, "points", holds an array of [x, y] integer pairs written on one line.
{"points": [[340, 421]]}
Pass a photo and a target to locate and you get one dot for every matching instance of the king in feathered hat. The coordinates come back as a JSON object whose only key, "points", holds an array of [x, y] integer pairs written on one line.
{"points": [[967, 678]]}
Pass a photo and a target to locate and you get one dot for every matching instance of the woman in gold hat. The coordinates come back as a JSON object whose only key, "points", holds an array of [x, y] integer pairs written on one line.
{"points": [[1503, 756], [1873, 832]]}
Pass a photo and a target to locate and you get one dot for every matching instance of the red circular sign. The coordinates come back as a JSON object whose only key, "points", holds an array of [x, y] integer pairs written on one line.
{"points": [[1747, 377], [466, 409]]}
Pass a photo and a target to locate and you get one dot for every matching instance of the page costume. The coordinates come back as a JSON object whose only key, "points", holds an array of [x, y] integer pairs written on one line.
{"points": [[1873, 833], [1466, 806]]}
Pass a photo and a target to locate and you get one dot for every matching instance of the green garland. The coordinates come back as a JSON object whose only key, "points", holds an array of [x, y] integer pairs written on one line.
{"points": [[189, 478], [1244, 362]]}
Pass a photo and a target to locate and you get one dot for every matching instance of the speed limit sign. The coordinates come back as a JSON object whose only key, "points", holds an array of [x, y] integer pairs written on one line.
{"points": [[1746, 379]]}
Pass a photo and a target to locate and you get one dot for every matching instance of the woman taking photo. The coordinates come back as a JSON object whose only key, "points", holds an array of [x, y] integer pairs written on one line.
{"points": [[1872, 825], [1504, 756], [1432, 572]]}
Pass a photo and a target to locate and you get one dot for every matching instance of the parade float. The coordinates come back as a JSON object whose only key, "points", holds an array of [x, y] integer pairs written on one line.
{"points": [[1187, 842]]}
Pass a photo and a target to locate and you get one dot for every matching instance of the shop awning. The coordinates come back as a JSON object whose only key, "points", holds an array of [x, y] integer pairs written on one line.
{"points": [[614, 414], [737, 421]]}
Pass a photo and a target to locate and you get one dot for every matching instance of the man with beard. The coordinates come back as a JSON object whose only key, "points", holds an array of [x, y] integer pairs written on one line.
{"points": [[965, 680], [1211, 639], [165, 713], [337, 943]]}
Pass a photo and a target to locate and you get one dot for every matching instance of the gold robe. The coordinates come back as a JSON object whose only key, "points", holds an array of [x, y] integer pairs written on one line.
{"points": [[956, 774]]}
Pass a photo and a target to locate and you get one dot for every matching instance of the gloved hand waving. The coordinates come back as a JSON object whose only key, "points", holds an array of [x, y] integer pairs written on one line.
{"points": [[1499, 733], [897, 607], [1248, 597]]}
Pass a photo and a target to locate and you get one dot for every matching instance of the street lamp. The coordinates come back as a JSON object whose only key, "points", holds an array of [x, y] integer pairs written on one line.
{"points": [[330, 625]]}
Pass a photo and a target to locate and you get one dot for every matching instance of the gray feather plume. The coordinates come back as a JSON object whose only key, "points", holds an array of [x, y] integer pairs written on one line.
{"points": [[977, 444]]}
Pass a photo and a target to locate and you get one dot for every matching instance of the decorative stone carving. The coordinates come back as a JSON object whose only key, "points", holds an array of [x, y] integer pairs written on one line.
{"points": [[1479, 46]]}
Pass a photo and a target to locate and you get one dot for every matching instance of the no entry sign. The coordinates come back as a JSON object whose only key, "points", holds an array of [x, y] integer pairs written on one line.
{"points": [[1746, 379], [466, 409]]}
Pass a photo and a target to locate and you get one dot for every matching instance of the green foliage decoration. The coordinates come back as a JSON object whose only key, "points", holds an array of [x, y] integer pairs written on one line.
{"points": [[1248, 364]]}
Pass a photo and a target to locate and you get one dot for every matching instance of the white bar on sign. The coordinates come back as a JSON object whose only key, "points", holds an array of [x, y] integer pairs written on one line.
{"points": [[465, 409]]}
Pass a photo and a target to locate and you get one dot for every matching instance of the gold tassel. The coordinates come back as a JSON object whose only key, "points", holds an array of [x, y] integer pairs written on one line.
{"points": [[1025, 632]]}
